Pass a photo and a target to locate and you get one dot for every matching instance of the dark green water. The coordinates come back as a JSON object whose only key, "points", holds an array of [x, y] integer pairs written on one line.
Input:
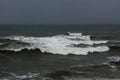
{"points": [[42, 30], [36, 65]]}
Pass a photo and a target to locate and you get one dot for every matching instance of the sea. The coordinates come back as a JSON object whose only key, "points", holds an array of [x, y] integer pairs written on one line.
{"points": [[60, 52]]}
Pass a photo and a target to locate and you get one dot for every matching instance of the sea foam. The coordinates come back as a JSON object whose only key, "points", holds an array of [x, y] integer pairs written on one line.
{"points": [[61, 44]]}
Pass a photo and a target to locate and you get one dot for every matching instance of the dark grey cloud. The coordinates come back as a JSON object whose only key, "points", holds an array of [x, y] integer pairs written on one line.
{"points": [[59, 11]]}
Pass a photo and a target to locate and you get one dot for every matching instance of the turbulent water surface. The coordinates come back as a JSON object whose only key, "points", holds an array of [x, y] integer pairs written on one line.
{"points": [[59, 52]]}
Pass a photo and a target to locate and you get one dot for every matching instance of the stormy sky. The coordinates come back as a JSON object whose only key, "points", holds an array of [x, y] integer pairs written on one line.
{"points": [[59, 11]]}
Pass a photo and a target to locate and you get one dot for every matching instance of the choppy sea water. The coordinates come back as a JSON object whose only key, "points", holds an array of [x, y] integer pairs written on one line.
{"points": [[59, 52]]}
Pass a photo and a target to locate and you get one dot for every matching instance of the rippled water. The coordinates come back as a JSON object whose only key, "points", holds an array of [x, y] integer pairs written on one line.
{"points": [[59, 52]]}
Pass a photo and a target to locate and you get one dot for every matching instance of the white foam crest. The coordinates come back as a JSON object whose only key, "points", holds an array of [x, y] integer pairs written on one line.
{"points": [[75, 34], [60, 44], [78, 35], [19, 38], [114, 58], [28, 76]]}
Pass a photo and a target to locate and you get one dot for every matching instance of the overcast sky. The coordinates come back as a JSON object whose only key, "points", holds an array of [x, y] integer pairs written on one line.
{"points": [[59, 11]]}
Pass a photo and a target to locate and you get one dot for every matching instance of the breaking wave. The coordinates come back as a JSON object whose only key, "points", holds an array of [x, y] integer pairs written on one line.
{"points": [[58, 44]]}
